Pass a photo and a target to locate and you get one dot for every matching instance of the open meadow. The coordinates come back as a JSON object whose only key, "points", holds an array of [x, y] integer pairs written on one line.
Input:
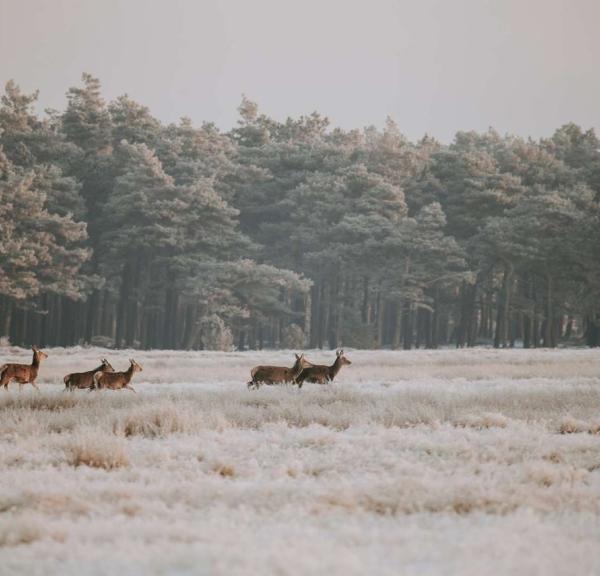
{"points": [[423, 462]]}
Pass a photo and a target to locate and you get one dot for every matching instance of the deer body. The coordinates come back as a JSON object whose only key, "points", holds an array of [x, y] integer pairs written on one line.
{"points": [[277, 374], [22, 373], [116, 380], [322, 374], [84, 380]]}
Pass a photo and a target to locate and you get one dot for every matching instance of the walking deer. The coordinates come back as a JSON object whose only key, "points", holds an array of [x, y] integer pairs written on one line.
{"points": [[277, 374], [322, 374], [116, 380], [22, 373], [84, 380]]}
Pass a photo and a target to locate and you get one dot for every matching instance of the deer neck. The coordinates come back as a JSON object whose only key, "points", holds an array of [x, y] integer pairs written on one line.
{"points": [[335, 367], [35, 363], [128, 374]]}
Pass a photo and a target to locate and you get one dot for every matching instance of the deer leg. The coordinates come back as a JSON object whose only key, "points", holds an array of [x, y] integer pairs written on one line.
{"points": [[130, 388], [35, 386]]}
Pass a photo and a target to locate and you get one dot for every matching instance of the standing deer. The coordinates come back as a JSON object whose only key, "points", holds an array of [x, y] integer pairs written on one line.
{"points": [[277, 374], [322, 374], [116, 380], [22, 373], [84, 380]]}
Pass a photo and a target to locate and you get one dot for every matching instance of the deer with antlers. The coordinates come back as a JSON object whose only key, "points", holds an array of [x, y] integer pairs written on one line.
{"points": [[322, 374], [116, 380], [82, 380], [22, 373], [277, 374]]}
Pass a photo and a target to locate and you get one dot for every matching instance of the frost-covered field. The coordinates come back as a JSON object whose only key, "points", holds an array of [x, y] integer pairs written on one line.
{"points": [[447, 462]]}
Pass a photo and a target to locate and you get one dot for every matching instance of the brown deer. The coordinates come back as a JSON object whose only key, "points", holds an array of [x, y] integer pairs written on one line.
{"points": [[322, 374], [277, 374], [116, 380], [22, 373], [84, 380]]}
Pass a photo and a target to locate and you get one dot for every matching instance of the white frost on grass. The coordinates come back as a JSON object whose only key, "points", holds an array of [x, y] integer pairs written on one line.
{"points": [[449, 462]]}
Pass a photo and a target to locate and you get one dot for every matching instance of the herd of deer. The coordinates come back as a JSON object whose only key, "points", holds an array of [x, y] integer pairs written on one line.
{"points": [[301, 371], [105, 377]]}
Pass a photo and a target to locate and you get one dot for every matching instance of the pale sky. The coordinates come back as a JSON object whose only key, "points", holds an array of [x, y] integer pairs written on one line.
{"points": [[435, 66]]}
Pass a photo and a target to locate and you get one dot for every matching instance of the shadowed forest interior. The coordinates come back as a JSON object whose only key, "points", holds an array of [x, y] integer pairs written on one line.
{"points": [[118, 230]]}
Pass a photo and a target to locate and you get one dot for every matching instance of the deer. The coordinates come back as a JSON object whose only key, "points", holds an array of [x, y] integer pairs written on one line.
{"points": [[116, 380], [322, 374], [277, 374], [22, 373], [82, 380]]}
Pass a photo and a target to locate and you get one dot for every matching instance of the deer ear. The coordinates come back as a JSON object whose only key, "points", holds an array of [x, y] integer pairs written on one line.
{"points": [[297, 357]]}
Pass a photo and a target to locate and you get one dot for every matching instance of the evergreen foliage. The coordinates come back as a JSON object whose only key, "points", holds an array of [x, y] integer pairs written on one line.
{"points": [[119, 229]]}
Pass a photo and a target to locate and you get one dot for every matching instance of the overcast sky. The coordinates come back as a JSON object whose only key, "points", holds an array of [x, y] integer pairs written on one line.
{"points": [[435, 66]]}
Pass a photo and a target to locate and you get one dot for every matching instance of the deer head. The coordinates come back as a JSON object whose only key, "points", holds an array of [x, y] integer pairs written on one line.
{"points": [[342, 358], [39, 354], [301, 362], [136, 367], [106, 365]]}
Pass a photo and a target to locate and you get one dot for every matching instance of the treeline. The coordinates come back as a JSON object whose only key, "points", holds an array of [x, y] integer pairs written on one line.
{"points": [[119, 230]]}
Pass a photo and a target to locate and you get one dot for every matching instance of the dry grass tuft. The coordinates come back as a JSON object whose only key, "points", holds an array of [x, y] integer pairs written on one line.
{"points": [[224, 470], [570, 425], [486, 420], [152, 422], [45, 401], [106, 453]]}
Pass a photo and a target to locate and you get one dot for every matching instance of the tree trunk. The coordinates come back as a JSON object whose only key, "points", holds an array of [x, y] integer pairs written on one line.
{"points": [[549, 321]]}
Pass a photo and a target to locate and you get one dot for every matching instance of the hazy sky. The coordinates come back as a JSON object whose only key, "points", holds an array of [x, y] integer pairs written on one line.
{"points": [[435, 66]]}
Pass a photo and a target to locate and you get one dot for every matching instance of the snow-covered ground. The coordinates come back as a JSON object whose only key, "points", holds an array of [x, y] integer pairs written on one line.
{"points": [[423, 462]]}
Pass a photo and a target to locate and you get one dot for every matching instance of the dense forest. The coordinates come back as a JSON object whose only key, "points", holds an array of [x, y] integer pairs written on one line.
{"points": [[118, 230]]}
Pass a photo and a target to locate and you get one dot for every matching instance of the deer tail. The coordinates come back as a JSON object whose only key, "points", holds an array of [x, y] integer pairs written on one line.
{"points": [[66, 379]]}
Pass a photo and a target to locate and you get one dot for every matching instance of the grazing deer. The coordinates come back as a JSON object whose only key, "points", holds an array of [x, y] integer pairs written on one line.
{"points": [[322, 374], [277, 374], [22, 373], [116, 380], [84, 380]]}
